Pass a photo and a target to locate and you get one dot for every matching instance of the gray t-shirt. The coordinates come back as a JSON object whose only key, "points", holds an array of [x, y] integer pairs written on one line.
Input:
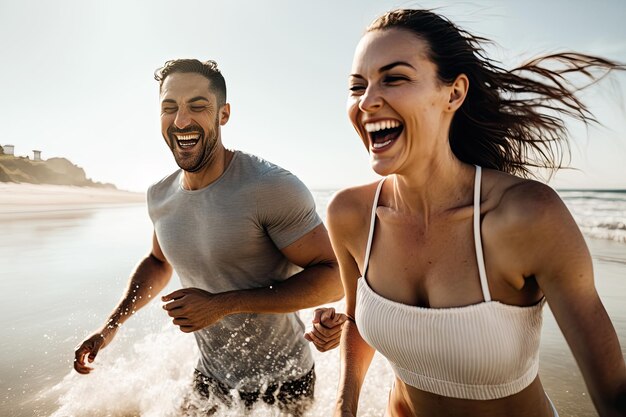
{"points": [[227, 236]]}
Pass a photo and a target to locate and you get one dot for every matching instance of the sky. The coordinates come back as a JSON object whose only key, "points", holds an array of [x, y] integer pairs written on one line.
{"points": [[76, 78]]}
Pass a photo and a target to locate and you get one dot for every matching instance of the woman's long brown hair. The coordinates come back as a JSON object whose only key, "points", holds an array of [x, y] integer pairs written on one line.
{"points": [[511, 120]]}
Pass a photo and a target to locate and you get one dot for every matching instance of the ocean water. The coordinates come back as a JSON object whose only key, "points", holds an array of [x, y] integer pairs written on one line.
{"points": [[62, 272], [600, 214]]}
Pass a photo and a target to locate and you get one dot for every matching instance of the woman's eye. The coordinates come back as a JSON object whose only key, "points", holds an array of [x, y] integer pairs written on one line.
{"points": [[394, 79], [356, 88]]}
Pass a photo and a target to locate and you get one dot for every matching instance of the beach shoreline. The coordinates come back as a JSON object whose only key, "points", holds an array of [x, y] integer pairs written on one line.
{"points": [[30, 199]]}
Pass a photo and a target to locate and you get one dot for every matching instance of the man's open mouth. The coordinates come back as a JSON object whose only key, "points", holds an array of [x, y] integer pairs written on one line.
{"points": [[383, 133], [187, 140]]}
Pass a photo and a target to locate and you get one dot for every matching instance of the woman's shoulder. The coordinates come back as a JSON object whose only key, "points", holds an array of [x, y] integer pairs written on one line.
{"points": [[526, 228], [515, 203], [351, 206]]}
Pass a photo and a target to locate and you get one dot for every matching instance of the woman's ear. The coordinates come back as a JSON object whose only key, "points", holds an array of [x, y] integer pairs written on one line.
{"points": [[458, 92]]}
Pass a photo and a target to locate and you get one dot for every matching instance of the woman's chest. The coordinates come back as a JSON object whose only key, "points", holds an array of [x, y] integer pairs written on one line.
{"points": [[434, 266]]}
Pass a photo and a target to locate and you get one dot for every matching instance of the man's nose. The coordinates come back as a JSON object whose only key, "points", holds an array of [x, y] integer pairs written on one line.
{"points": [[182, 119]]}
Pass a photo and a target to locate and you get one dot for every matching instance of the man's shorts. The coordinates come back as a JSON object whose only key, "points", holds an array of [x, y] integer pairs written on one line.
{"points": [[288, 396]]}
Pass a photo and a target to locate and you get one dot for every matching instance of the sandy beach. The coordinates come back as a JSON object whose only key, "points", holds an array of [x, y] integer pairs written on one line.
{"points": [[16, 199]]}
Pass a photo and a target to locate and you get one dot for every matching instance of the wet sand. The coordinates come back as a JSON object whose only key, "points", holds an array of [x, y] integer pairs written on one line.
{"points": [[21, 199], [559, 372]]}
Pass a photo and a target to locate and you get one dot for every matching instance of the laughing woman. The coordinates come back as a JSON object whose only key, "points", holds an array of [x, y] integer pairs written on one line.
{"points": [[448, 261]]}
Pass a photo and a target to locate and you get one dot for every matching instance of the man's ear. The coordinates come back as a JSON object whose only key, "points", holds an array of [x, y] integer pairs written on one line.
{"points": [[458, 92], [224, 114]]}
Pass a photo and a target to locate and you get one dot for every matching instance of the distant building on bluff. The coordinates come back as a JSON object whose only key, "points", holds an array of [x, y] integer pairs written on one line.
{"points": [[9, 150]]}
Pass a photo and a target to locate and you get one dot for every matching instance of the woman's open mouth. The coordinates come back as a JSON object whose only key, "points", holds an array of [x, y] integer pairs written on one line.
{"points": [[383, 133]]}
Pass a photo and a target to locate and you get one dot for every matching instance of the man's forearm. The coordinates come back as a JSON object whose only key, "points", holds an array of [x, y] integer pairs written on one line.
{"points": [[316, 284], [148, 279]]}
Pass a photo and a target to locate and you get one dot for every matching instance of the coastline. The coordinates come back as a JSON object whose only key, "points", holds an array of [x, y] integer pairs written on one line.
{"points": [[22, 198]]}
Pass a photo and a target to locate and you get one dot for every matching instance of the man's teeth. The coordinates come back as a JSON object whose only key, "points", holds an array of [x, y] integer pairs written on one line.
{"points": [[376, 145], [384, 124], [187, 140], [188, 137]]}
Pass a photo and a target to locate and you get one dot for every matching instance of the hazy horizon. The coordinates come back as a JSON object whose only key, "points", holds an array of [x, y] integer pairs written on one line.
{"points": [[81, 85]]}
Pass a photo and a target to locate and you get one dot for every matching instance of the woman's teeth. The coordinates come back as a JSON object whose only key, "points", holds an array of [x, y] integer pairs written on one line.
{"points": [[381, 145], [384, 124]]}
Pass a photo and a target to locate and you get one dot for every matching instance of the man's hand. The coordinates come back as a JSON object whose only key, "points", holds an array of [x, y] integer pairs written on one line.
{"points": [[193, 309], [90, 348], [326, 332]]}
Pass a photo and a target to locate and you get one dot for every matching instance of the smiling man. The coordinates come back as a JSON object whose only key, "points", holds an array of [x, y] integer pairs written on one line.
{"points": [[250, 250]]}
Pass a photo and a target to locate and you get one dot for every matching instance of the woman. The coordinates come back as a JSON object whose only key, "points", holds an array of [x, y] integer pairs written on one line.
{"points": [[448, 261]]}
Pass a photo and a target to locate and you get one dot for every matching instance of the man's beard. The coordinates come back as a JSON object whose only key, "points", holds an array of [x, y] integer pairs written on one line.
{"points": [[201, 156]]}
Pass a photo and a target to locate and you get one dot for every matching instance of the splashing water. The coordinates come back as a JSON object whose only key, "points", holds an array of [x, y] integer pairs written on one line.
{"points": [[153, 377], [149, 380]]}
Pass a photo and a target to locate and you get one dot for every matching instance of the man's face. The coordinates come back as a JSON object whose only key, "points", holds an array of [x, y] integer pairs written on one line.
{"points": [[190, 119]]}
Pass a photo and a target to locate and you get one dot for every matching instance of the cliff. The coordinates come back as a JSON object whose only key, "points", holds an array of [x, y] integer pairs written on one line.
{"points": [[57, 171]]}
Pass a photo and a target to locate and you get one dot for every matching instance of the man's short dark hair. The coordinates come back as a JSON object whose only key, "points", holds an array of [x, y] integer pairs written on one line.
{"points": [[208, 69]]}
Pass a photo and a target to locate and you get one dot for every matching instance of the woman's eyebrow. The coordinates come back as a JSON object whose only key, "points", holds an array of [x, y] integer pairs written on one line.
{"points": [[387, 68], [395, 64]]}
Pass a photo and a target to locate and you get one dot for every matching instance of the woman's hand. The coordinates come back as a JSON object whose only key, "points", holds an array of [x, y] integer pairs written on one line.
{"points": [[326, 331]]}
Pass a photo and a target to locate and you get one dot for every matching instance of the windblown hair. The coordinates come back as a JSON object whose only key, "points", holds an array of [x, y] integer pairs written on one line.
{"points": [[511, 120], [208, 69]]}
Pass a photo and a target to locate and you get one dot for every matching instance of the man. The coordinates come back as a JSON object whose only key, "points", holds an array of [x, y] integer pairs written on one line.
{"points": [[247, 244]]}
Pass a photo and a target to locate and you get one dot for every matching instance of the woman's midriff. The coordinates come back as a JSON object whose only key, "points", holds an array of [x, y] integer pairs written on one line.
{"points": [[407, 401]]}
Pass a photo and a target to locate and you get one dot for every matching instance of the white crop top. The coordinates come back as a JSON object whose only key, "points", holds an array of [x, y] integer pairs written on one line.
{"points": [[483, 351]]}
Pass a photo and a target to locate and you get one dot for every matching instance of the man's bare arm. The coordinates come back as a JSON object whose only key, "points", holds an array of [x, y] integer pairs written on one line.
{"points": [[149, 277], [318, 283]]}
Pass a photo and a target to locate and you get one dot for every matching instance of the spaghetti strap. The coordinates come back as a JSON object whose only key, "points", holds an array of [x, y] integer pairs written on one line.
{"points": [[480, 260], [372, 222]]}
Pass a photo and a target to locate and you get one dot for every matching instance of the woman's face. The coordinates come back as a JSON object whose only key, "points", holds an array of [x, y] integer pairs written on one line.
{"points": [[397, 104]]}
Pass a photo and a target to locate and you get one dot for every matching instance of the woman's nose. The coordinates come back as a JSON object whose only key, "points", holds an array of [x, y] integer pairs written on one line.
{"points": [[371, 100]]}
